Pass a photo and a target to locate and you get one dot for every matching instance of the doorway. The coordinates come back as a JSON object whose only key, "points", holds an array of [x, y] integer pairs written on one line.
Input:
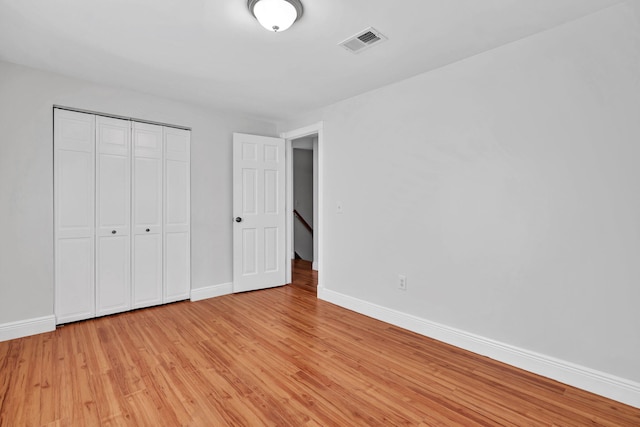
{"points": [[304, 154], [304, 198]]}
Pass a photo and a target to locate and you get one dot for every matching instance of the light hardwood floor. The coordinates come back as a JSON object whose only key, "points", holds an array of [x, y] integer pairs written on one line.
{"points": [[276, 357]]}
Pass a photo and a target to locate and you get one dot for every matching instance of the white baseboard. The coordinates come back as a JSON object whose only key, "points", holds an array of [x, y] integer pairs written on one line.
{"points": [[24, 328], [211, 291], [588, 379]]}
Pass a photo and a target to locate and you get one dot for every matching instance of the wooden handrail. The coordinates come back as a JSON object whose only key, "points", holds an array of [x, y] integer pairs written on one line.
{"points": [[305, 223]]}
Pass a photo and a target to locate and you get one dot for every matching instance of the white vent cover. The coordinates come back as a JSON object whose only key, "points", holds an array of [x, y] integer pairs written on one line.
{"points": [[363, 40]]}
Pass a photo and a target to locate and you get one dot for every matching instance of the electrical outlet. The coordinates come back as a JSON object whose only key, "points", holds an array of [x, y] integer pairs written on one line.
{"points": [[339, 208], [402, 282]]}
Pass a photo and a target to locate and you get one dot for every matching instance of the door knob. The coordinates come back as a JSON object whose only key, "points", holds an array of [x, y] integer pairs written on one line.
{"points": [[238, 219], [113, 232], [148, 230]]}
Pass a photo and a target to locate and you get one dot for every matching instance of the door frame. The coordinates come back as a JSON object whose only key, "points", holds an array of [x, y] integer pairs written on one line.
{"points": [[289, 136]]}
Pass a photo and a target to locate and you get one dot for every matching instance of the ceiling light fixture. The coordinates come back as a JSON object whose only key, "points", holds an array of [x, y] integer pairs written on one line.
{"points": [[276, 15]]}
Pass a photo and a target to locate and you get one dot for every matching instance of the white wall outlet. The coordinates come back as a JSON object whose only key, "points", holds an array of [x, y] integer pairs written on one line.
{"points": [[339, 207], [402, 282]]}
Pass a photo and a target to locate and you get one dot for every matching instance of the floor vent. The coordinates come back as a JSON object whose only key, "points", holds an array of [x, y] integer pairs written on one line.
{"points": [[363, 40]]}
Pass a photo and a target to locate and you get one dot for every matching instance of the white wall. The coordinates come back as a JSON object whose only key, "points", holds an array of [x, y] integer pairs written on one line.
{"points": [[507, 188], [26, 171]]}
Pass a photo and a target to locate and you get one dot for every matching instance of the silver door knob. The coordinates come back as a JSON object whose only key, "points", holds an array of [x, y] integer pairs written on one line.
{"points": [[238, 219]]}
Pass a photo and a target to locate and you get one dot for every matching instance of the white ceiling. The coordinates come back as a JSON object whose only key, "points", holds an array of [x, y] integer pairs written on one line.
{"points": [[214, 53]]}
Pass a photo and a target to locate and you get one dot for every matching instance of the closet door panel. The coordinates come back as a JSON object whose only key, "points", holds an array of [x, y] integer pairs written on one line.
{"points": [[147, 270], [114, 193], [74, 191], [177, 208], [113, 275], [113, 175], [177, 266], [147, 200], [74, 293], [177, 254], [147, 215]]}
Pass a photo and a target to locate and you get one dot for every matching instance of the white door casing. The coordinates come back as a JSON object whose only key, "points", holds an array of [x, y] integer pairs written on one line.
{"points": [[113, 215], [259, 212], [318, 223], [74, 188], [146, 245], [177, 243]]}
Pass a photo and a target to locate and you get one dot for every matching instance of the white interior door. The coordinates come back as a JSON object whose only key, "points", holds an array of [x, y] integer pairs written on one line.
{"points": [[74, 190], [177, 213], [147, 215], [259, 212], [113, 215]]}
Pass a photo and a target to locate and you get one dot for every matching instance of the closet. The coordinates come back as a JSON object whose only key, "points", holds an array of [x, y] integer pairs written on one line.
{"points": [[121, 209]]}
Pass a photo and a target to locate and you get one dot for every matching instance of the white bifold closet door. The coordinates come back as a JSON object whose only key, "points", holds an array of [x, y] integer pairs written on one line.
{"points": [[147, 215], [113, 215], [177, 183], [74, 188], [121, 200]]}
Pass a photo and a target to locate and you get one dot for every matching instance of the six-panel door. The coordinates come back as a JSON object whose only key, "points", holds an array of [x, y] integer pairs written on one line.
{"points": [[259, 209]]}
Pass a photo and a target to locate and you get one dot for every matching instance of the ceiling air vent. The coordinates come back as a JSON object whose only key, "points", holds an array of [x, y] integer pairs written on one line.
{"points": [[363, 40]]}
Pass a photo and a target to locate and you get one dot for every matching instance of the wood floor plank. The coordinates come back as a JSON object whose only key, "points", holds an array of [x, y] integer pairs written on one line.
{"points": [[277, 357]]}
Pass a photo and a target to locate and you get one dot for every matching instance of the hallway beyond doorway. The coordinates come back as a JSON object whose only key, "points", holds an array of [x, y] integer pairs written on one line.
{"points": [[303, 276]]}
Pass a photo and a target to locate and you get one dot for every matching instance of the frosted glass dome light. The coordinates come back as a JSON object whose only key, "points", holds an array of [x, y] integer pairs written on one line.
{"points": [[276, 15]]}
